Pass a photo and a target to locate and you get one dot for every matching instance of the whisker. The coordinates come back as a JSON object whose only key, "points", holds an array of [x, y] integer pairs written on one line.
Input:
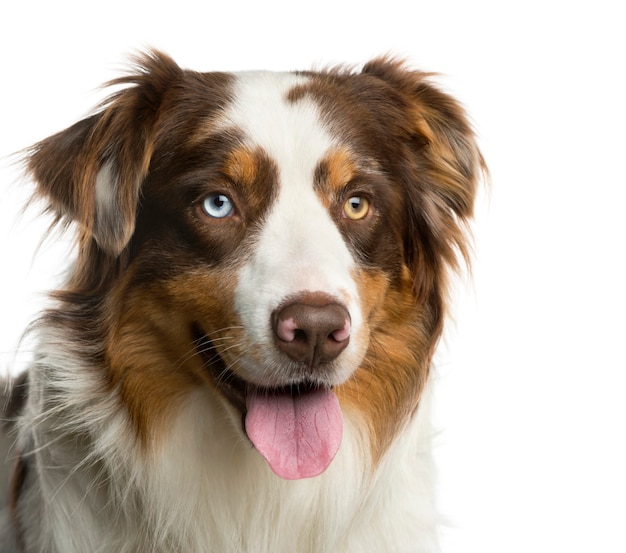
{"points": [[205, 339]]}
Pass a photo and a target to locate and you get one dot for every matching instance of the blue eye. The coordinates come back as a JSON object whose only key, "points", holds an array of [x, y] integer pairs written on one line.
{"points": [[218, 206]]}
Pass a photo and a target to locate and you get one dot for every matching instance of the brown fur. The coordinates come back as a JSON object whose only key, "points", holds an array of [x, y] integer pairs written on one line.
{"points": [[135, 292]]}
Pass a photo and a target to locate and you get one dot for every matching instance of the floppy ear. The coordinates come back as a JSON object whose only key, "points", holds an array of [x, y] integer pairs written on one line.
{"points": [[91, 173], [441, 168]]}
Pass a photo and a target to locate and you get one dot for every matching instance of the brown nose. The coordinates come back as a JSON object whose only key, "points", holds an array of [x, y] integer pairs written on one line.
{"points": [[310, 331]]}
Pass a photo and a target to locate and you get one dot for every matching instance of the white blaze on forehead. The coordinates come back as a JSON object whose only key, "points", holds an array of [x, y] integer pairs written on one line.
{"points": [[300, 248]]}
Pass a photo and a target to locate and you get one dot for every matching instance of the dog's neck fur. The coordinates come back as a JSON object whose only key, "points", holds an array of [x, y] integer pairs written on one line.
{"points": [[204, 488]]}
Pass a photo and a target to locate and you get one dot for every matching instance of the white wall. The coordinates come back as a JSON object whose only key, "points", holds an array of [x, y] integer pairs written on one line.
{"points": [[531, 390]]}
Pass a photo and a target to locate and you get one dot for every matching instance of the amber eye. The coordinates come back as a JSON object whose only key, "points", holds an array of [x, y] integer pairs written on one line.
{"points": [[356, 208]]}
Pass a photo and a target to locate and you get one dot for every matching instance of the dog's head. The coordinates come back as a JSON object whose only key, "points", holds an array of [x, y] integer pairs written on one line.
{"points": [[281, 240]]}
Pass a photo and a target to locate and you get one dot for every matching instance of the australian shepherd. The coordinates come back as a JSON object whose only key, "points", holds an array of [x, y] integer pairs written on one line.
{"points": [[238, 361]]}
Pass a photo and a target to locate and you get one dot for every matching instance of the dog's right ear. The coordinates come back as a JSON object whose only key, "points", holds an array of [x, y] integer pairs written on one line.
{"points": [[91, 173]]}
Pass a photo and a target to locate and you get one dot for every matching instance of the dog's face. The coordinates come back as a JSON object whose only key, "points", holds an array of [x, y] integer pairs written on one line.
{"points": [[278, 239]]}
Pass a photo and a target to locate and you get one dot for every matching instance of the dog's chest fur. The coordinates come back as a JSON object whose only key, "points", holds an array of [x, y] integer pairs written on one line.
{"points": [[239, 359]]}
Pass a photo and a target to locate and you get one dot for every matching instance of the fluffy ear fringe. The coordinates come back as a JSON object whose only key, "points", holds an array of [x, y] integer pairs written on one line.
{"points": [[442, 171], [91, 173]]}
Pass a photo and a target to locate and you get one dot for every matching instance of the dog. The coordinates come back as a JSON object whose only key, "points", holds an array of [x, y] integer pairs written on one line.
{"points": [[239, 359]]}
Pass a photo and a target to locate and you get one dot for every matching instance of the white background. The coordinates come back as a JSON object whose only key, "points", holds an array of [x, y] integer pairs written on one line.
{"points": [[532, 387]]}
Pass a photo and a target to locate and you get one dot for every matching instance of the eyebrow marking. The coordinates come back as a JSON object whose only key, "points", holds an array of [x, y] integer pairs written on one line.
{"points": [[242, 165], [340, 167]]}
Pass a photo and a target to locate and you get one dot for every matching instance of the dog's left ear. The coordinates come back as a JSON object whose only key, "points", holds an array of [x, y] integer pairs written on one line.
{"points": [[441, 167], [91, 173]]}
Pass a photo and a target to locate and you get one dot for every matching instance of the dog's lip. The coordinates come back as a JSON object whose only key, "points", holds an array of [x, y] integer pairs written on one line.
{"points": [[226, 381], [234, 388]]}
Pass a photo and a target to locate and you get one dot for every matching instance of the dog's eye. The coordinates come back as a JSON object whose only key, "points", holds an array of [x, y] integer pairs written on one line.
{"points": [[356, 208], [218, 206]]}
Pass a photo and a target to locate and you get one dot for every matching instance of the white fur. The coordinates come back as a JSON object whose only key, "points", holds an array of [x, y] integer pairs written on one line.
{"points": [[105, 197], [110, 229], [300, 248], [204, 489]]}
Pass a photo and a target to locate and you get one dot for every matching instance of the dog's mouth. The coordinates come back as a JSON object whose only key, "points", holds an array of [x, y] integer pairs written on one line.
{"points": [[297, 428]]}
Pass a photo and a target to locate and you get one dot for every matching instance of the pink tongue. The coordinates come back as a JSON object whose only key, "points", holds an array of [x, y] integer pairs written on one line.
{"points": [[298, 435]]}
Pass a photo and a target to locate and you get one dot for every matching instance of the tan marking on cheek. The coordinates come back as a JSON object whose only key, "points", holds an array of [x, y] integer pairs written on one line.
{"points": [[151, 354], [386, 388]]}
